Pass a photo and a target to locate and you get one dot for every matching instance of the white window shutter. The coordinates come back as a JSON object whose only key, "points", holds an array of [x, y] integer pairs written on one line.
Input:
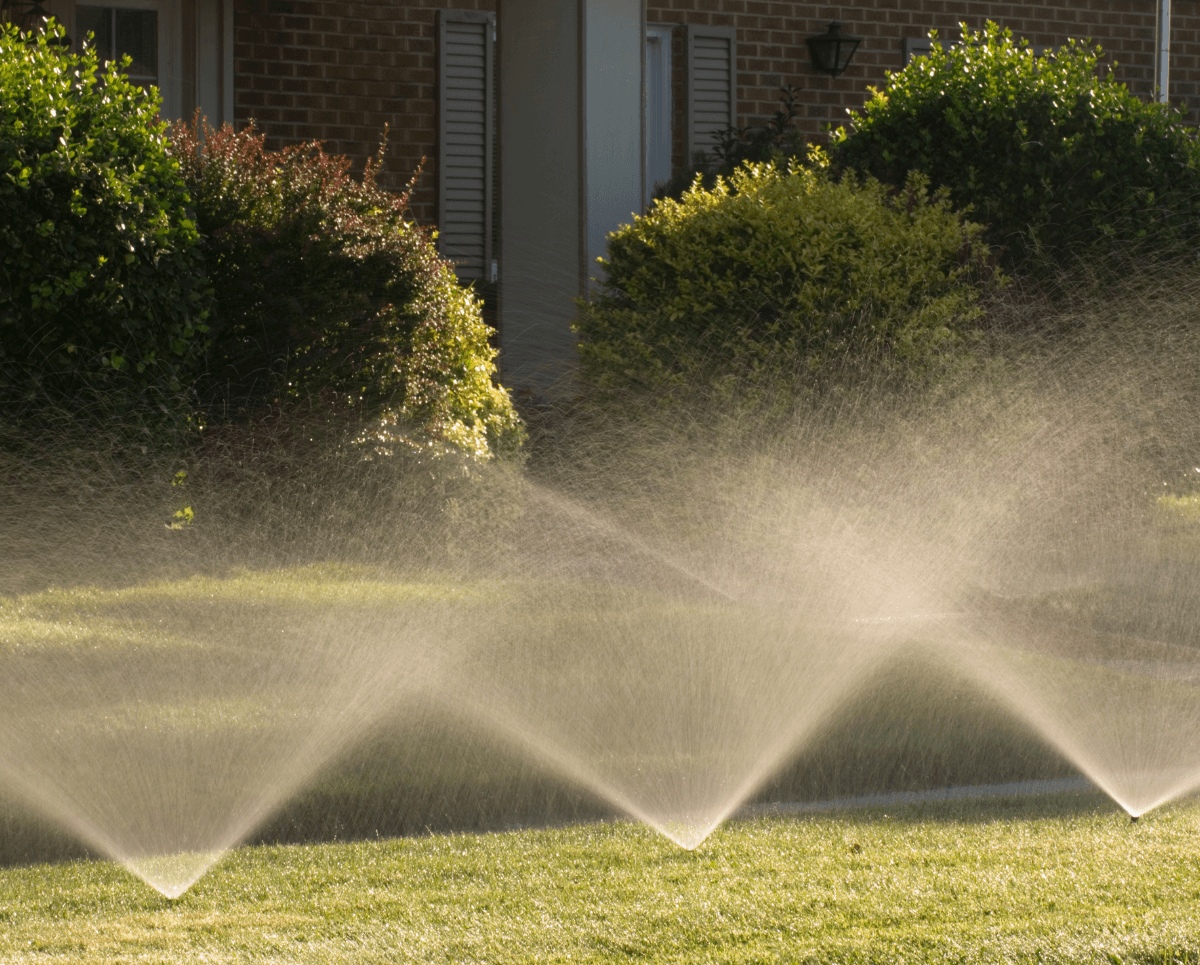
{"points": [[465, 139], [711, 91]]}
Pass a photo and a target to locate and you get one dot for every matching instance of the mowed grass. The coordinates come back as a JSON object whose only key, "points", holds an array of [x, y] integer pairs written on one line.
{"points": [[1061, 879]]}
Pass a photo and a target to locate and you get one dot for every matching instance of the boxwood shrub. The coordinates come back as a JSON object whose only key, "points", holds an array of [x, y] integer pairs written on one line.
{"points": [[1050, 152], [779, 273], [328, 296], [102, 285]]}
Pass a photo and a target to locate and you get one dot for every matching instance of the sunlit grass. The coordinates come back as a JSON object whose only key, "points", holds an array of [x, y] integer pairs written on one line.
{"points": [[311, 585], [175, 614], [1066, 879], [1180, 509]]}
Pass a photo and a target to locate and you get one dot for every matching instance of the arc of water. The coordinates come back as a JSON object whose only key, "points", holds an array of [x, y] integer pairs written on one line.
{"points": [[991, 664], [688, 831], [373, 677], [601, 524], [364, 691]]}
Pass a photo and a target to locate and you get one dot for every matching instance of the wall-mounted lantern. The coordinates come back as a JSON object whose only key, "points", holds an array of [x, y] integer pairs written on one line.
{"points": [[28, 15], [832, 50]]}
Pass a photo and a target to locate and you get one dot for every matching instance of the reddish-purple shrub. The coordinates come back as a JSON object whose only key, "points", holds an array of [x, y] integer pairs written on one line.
{"points": [[326, 290]]}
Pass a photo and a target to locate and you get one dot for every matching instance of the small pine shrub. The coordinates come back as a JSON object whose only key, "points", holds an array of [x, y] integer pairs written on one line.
{"points": [[780, 273], [102, 286], [326, 294], [1051, 154]]}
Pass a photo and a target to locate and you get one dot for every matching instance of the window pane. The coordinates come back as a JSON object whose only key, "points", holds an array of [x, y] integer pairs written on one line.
{"points": [[98, 21], [137, 36]]}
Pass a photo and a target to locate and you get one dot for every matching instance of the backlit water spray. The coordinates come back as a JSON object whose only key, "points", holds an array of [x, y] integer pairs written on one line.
{"points": [[664, 619], [168, 725]]}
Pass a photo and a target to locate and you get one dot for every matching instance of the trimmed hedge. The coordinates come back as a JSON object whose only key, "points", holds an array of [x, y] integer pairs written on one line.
{"points": [[1050, 154], [327, 295], [102, 284], [780, 272]]}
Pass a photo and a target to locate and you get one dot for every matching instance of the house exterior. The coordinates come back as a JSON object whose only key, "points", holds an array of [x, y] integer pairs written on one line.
{"points": [[540, 125]]}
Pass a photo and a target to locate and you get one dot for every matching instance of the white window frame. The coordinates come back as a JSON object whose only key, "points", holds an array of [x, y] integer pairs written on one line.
{"points": [[214, 60], [658, 141], [170, 44]]}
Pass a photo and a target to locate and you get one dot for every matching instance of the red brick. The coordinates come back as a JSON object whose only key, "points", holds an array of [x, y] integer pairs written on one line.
{"points": [[350, 67]]}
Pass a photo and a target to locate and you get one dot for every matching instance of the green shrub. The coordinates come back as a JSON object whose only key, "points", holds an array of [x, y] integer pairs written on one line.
{"points": [[1051, 154], [326, 294], [102, 286], [780, 272]]}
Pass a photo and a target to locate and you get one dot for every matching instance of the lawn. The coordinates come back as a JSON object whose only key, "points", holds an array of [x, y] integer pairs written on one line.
{"points": [[168, 679], [1054, 879]]}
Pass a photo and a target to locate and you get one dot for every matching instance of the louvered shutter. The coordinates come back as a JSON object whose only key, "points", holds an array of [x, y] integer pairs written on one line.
{"points": [[711, 65], [465, 139]]}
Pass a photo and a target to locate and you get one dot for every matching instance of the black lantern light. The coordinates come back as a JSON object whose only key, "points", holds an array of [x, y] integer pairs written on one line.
{"points": [[29, 15], [24, 13], [832, 50]]}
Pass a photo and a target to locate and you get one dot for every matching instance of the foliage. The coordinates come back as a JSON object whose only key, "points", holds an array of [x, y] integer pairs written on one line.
{"points": [[102, 285], [326, 293], [1050, 153], [783, 270]]}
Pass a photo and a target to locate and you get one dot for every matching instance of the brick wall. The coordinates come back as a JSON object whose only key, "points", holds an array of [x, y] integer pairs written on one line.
{"points": [[338, 72], [772, 50]]}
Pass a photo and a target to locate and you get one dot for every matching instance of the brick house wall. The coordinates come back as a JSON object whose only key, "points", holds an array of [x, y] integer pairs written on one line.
{"points": [[771, 49], [338, 72]]}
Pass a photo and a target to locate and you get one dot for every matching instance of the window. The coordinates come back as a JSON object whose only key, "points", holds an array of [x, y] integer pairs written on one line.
{"points": [[145, 30], [711, 63], [911, 47], [466, 140], [118, 32]]}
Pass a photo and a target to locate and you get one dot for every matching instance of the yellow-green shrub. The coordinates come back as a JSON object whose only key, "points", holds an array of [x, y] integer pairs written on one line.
{"points": [[780, 271]]}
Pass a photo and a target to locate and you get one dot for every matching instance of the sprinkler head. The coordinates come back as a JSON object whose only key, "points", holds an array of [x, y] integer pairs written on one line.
{"points": [[1133, 818]]}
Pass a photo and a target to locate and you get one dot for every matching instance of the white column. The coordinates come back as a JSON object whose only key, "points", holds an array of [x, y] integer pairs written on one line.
{"points": [[1162, 51], [214, 60], [615, 38], [570, 169]]}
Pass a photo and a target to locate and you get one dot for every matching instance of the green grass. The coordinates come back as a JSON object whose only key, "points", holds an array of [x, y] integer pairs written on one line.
{"points": [[1064, 879]]}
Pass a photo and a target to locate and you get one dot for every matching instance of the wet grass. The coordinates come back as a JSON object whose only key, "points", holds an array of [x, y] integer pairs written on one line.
{"points": [[1062, 879]]}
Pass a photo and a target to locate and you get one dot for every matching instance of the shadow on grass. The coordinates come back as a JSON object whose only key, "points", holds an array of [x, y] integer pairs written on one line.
{"points": [[909, 730], [1068, 805]]}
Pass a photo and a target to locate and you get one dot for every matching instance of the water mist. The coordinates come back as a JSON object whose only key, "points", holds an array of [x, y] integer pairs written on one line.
{"points": [[664, 611]]}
